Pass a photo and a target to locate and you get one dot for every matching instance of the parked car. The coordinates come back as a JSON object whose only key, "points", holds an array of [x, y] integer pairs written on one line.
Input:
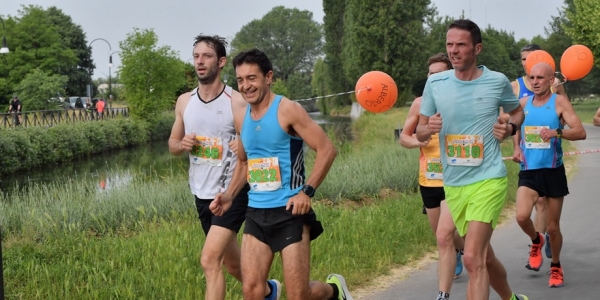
{"points": [[75, 102]]}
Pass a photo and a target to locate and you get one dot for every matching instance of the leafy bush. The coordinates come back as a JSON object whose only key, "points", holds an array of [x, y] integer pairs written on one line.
{"points": [[24, 148]]}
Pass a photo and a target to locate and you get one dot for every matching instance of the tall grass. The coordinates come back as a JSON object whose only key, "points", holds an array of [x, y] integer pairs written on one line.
{"points": [[586, 109]]}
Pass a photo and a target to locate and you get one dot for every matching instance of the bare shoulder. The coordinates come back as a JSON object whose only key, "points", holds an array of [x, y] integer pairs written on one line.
{"points": [[237, 100], [182, 101], [417, 102], [563, 101], [292, 110]]}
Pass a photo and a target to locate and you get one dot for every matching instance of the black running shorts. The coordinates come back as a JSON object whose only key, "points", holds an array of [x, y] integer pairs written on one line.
{"points": [[278, 228], [432, 196], [547, 182], [232, 219]]}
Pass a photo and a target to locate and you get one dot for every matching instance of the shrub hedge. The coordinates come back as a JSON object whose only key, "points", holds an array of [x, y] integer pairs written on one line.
{"points": [[24, 148]]}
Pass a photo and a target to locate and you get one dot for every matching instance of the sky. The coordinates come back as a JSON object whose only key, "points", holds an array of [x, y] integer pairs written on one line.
{"points": [[177, 22]]}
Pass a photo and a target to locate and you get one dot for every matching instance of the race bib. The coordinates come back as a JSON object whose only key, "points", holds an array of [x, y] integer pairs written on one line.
{"points": [[464, 150], [533, 140], [434, 168], [207, 151], [264, 174]]}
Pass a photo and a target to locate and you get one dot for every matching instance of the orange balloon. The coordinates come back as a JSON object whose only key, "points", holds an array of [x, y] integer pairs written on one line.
{"points": [[376, 91], [576, 62], [539, 56]]}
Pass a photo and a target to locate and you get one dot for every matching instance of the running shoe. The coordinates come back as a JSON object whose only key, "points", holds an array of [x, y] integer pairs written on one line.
{"points": [[535, 255], [275, 289], [340, 282], [556, 277], [547, 247], [459, 264], [521, 297]]}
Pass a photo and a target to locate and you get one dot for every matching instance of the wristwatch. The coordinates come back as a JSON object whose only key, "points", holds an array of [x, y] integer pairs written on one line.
{"points": [[514, 128], [309, 190], [558, 133]]}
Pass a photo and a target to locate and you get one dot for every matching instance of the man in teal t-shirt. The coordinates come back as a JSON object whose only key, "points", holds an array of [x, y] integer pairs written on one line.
{"points": [[462, 105]]}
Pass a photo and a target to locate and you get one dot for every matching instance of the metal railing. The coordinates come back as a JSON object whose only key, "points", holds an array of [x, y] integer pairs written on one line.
{"points": [[53, 117]]}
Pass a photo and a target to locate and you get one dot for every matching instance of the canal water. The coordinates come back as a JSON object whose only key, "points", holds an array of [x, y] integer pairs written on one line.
{"points": [[116, 168]]}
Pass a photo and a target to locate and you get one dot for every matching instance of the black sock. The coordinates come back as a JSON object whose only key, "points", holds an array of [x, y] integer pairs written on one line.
{"points": [[270, 288], [336, 292], [555, 265], [537, 238]]}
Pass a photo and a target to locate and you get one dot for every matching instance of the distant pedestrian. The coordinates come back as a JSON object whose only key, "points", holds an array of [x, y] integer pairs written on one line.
{"points": [[100, 108]]}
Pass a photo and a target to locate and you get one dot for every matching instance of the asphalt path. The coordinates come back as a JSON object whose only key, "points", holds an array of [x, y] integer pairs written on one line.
{"points": [[580, 256]]}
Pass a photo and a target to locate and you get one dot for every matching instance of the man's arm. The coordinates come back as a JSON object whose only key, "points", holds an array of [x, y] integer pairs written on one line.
{"points": [[176, 145], [597, 118], [313, 135], [239, 106], [407, 137], [559, 88], [576, 130], [517, 137]]}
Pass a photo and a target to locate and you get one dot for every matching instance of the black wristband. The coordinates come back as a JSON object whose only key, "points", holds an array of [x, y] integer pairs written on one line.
{"points": [[514, 128]]}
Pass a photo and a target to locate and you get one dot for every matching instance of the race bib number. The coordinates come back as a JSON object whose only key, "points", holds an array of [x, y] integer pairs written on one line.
{"points": [[264, 174], [207, 151], [464, 150], [434, 168], [533, 140]]}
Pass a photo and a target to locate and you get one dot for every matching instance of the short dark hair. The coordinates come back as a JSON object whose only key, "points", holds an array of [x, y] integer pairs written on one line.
{"points": [[470, 26], [216, 42], [531, 47], [440, 57], [253, 56]]}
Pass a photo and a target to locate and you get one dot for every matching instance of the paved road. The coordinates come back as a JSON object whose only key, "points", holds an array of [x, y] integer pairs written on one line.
{"points": [[580, 255]]}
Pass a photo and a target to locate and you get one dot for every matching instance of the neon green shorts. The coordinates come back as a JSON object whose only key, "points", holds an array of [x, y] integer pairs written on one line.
{"points": [[481, 201]]}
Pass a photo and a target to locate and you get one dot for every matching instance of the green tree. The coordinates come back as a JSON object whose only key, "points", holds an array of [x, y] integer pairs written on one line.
{"points": [[289, 36], [35, 43], [152, 74], [74, 38], [278, 87], [385, 36], [584, 24], [335, 78], [37, 88]]}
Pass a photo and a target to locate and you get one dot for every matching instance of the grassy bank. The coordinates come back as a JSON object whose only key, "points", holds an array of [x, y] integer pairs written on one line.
{"points": [[142, 240]]}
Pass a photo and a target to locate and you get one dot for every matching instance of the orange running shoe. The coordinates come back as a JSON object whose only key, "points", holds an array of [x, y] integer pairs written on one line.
{"points": [[556, 277], [535, 255]]}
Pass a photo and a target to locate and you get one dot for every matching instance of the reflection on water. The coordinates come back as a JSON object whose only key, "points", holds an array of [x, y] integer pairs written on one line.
{"points": [[116, 169]]}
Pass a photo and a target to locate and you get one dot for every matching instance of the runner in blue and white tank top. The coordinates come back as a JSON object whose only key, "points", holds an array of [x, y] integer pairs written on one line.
{"points": [[273, 131], [542, 171], [204, 130]]}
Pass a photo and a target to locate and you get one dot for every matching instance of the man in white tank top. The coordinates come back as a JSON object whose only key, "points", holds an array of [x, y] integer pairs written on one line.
{"points": [[204, 130]]}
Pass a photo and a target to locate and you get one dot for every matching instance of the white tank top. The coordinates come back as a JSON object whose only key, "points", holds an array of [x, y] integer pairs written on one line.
{"points": [[211, 161]]}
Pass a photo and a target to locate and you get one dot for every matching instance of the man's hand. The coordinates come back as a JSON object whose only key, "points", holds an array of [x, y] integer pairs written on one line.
{"points": [[220, 204], [517, 155], [233, 146], [300, 204], [187, 142], [435, 123], [546, 134], [501, 129]]}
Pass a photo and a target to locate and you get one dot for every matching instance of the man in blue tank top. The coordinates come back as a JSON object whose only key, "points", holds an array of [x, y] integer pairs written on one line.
{"points": [[522, 88], [272, 132], [542, 170], [203, 129]]}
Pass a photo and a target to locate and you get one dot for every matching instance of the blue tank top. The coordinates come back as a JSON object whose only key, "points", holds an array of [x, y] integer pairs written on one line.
{"points": [[275, 159], [536, 153], [524, 91]]}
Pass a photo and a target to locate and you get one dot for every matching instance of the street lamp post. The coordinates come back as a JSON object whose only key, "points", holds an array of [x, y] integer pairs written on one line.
{"points": [[90, 46], [3, 50], [110, 63]]}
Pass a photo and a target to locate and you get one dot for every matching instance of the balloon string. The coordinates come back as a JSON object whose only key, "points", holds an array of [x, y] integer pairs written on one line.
{"points": [[332, 95]]}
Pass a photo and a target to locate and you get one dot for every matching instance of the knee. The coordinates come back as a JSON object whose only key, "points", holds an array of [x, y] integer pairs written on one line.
{"points": [[552, 228], [210, 262], [523, 218], [445, 237], [472, 262], [251, 290], [233, 266]]}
